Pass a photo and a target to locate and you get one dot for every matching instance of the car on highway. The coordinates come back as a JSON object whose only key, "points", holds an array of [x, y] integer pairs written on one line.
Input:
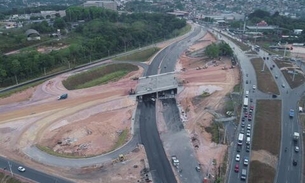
{"points": [[294, 162], [237, 158], [283, 85], [291, 113], [248, 148], [248, 133], [242, 130], [249, 117], [21, 169], [243, 119], [198, 168], [242, 124], [296, 148], [276, 76], [254, 87], [236, 169], [251, 100], [251, 107], [238, 148], [249, 127], [246, 161], [246, 114]]}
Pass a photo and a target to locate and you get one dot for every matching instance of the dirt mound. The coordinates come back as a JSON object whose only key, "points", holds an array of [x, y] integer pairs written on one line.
{"points": [[264, 157]]}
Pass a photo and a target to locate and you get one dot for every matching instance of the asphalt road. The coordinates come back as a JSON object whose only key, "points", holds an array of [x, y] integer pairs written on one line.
{"points": [[286, 172], [30, 173], [160, 168]]}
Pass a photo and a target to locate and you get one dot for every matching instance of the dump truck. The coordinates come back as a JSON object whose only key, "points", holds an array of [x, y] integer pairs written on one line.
{"points": [[63, 96]]}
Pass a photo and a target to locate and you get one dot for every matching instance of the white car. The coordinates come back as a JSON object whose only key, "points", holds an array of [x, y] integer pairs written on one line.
{"points": [[254, 87], [249, 127], [246, 162], [237, 157], [21, 169], [296, 148]]}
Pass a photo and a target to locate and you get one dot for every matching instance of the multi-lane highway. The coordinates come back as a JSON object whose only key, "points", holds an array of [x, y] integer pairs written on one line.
{"points": [[160, 168], [286, 171]]}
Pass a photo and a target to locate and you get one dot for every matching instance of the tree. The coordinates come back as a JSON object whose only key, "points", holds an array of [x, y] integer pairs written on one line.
{"points": [[15, 68], [212, 51], [59, 23]]}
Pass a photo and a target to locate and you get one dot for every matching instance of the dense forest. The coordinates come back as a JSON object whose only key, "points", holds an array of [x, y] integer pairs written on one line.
{"points": [[103, 33]]}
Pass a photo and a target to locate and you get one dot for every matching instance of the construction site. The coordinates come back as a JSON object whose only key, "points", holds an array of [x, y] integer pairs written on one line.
{"points": [[97, 120]]}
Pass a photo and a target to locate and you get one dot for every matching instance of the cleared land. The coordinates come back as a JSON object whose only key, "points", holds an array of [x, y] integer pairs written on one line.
{"points": [[261, 173], [265, 81], [285, 67], [267, 129], [140, 56]]}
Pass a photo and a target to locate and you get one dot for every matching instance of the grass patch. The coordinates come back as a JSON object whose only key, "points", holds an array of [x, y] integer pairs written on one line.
{"points": [[216, 130], [122, 139], [261, 173], [236, 88], [185, 30], [265, 80], [229, 105], [19, 89], [267, 128], [298, 78], [98, 76], [139, 56], [51, 152], [8, 179], [241, 45]]}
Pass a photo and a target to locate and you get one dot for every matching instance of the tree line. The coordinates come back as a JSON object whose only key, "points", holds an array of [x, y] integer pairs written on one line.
{"points": [[103, 33]]}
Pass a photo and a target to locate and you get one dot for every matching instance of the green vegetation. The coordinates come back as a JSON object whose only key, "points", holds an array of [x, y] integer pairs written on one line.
{"points": [[141, 55], [265, 80], [8, 179], [98, 76], [237, 88], [229, 105], [205, 94], [52, 152], [103, 33], [261, 173], [216, 130], [216, 50], [19, 89], [267, 128], [123, 137], [241, 45]]}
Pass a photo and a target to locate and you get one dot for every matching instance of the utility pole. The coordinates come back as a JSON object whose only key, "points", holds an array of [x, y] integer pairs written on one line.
{"points": [[285, 50], [293, 74]]}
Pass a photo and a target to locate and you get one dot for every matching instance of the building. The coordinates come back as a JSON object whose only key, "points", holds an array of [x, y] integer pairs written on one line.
{"points": [[112, 5]]}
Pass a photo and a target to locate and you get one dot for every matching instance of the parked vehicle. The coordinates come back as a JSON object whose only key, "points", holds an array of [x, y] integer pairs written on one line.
{"points": [[246, 161], [237, 158], [236, 169]]}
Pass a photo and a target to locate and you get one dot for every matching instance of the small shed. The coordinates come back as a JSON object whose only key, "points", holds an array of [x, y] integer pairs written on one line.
{"points": [[32, 34]]}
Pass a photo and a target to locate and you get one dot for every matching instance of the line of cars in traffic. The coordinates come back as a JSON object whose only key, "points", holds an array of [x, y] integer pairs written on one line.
{"points": [[244, 137]]}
